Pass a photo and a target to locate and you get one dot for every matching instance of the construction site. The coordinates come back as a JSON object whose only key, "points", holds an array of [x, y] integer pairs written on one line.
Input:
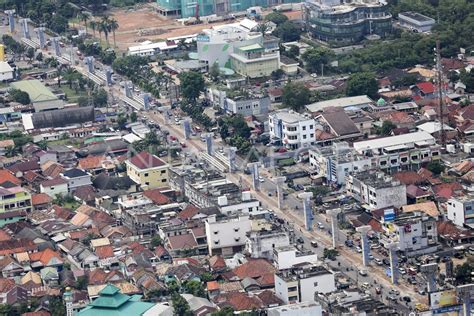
{"points": [[145, 23]]}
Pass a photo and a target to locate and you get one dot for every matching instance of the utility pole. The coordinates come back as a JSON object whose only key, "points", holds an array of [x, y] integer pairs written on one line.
{"points": [[439, 79]]}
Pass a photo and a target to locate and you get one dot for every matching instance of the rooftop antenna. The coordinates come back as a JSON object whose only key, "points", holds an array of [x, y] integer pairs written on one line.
{"points": [[439, 79]]}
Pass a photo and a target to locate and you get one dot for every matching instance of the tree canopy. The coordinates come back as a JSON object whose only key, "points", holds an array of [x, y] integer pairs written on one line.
{"points": [[288, 32], [317, 58], [296, 96], [192, 84], [20, 96], [276, 17], [362, 83]]}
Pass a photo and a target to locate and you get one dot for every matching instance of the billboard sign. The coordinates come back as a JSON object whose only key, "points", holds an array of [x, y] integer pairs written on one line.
{"points": [[203, 38], [389, 215], [441, 299]]}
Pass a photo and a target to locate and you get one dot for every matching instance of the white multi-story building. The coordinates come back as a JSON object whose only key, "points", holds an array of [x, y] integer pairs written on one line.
{"points": [[302, 283], [228, 236], [461, 210], [337, 162], [293, 129], [245, 205], [285, 257], [415, 233], [261, 244], [376, 190]]}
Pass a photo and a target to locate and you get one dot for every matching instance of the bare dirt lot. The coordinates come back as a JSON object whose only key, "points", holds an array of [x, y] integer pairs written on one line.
{"points": [[145, 23]]}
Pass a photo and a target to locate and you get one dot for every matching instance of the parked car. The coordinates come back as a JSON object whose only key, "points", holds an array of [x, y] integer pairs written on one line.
{"points": [[406, 299], [363, 272], [378, 261], [402, 271], [349, 243], [300, 240], [314, 244], [358, 249]]}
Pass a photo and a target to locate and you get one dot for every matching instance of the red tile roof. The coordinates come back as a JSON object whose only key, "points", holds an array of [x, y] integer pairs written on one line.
{"points": [[259, 269], [186, 241], [189, 211], [217, 262], [156, 196], [38, 313], [41, 198], [44, 256], [52, 182], [6, 285], [6, 175], [426, 87], [415, 191], [144, 160], [239, 301], [91, 162], [104, 252], [408, 177]]}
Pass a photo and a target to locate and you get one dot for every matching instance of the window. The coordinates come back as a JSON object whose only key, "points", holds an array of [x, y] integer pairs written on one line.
{"points": [[236, 229], [311, 127], [216, 232], [163, 171], [311, 135], [147, 183], [146, 174], [315, 284], [304, 128], [163, 180], [304, 136]]}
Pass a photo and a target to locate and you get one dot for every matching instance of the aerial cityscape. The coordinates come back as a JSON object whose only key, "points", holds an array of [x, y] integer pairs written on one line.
{"points": [[236, 157]]}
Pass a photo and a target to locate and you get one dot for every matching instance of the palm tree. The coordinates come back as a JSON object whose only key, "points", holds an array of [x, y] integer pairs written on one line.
{"points": [[70, 75], [105, 26], [113, 24], [93, 25], [84, 17]]}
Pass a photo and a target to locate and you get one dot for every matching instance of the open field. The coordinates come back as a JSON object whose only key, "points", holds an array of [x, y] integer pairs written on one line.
{"points": [[145, 23]]}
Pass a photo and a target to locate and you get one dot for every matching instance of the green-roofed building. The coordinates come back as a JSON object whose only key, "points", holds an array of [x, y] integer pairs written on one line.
{"points": [[113, 303], [253, 61], [41, 97]]}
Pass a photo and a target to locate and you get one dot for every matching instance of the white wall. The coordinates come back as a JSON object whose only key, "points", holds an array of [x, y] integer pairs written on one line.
{"points": [[57, 189], [287, 259], [228, 233], [324, 283], [456, 212]]}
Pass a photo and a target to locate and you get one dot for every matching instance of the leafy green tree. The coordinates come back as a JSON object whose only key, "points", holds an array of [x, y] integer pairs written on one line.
{"points": [[81, 283], [468, 79], [180, 306], [463, 273], [56, 306], [276, 17], [292, 52], [156, 241], [317, 58], [194, 287], [277, 74], [39, 57], [288, 32], [20, 96], [133, 117], [214, 71], [436, 167], [192, 84], [206, 277], [296, 96], [100, 98], [363, 83], [330, 254], [70, 75], [386, 128], [121, 121], [30, 53]]}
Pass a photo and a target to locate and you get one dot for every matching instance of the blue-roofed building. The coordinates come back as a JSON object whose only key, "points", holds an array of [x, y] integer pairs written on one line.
{"points": [[112, 302]]}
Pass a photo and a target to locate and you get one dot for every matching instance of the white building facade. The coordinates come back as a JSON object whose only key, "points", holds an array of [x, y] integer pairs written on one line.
{"points": [[461, 210], [228, 236], [293, 129]]}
